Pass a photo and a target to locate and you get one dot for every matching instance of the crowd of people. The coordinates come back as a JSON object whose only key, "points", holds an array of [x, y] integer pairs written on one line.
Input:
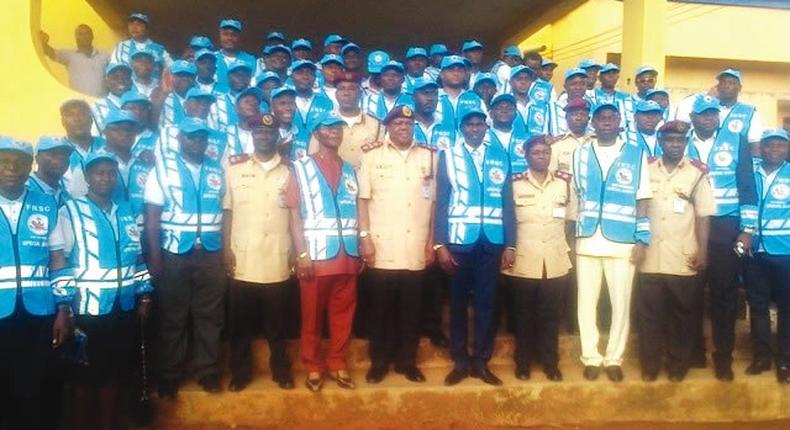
{"points": [[216, 179]]}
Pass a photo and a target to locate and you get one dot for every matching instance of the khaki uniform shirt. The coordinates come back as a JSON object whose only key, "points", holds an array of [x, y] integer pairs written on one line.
{"points": [[400, 188], [540, 223], [367, 130], [678, 199], [562, 152], [260, 238]]}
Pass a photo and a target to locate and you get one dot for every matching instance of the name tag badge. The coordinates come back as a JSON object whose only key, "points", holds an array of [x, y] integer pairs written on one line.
{"points": [[558, 212], [679, 206], [426, 190]]}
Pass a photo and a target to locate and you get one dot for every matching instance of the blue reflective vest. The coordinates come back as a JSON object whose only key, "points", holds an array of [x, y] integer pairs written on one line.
{"points": [[515, 147], [192, 212], [101, 109], [221, 74], [739, 119], [24, 262], [329, 217], [105, 263], [377, 108], [132, 188], [60, 195], [223, 112], [639, 138], [476, 203], [773, 221], [440, 135], [723, 164], [168, 141], [125, 49], [466, 100], [145, 141], [608, 201], [540, 91], [172, 110]]}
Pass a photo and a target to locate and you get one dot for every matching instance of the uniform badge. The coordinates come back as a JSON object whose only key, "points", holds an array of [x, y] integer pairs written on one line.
{"points": [[212, 151], [351, 186], [780, 191], [443, 142], [133, 232], [722, 158], [38, 224], [624, 176], [267, 120], [407, 112], [496, 175], [735, 126], [214, 181], [540, 95], [539, 118], [141, 179], [300, 153], [520, 151]]}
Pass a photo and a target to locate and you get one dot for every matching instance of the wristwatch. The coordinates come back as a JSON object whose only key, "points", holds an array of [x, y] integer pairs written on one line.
{"points": [[363, 234], [438, 246]]}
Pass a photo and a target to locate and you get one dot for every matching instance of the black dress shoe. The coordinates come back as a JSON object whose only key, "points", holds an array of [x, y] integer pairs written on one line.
{"points": [[649, 376], [552, 373], [700, 362], [724, 372], [412, 373], [486, 375], [783, 374], [614, 373], [455, 376], [168, 389], [376, 374], [677, 375], [285, 382], [522, 372], [210, 383], [591, 372], [238, 383], [440, 340], [758, 366]]}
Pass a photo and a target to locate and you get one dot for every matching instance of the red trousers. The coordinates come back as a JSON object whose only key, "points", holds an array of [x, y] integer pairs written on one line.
{"points": [[335, 295]]}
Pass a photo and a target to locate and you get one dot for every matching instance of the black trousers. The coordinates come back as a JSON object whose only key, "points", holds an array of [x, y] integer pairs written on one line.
{"points": [[361, 324], [722, 279], [192, 289], [666, 308], [537, 306], [30, 389], [768, 277], [254, 306], [395, 299], [435, 283]]}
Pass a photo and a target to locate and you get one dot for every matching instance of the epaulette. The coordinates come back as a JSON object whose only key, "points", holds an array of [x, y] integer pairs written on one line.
{"points": [[238, 159], [426, 146], [700, 165], [652, 159], [518, 176], [371, 146], [561, 174]]}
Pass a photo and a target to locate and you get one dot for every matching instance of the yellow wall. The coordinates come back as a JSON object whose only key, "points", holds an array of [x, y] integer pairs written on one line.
{"points": [[32, 95]]}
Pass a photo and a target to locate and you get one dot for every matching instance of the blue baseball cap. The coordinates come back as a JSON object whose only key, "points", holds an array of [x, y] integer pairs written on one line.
{"points": [[145, 51], [111, 67], [548, 62], [275, 35], [47, 143], [250, 91], [231, 23], [8, 143], [377, 60], [416, 51], [606, 105], [473, 111], [423, 82], [503, 97], [576, 71], [100, 155], [609, 67], [191, 125], [646, 68], [331, 119], [334, 38], [182, 66], [265, 76], [278, 47], [470, 45], [452, 60], [139, 17], [301, 44], [204, 53], [704, 102], [332, 58], [521, 69], [438, 49], [656, 91], [282, 91], [394, 65], [771, 133], [512, 51], [351, 46], [588, 63], [730, 72], [646, 106], [238, 64], [133, 96], [197, 92], [298, 64], [119, 117], [486, 77], [200, 42]]}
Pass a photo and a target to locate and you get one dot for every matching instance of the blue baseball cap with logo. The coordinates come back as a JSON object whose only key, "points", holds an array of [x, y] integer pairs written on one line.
{"points": [[284, 90], [470, 45], [588, 63], [334, 38], [331, 119], [301, 44], [233, 24], [377, 60], [655, 91], [182, 67], [485, 77], [268, 50], [452, 60], [503, 97], [238, 65], [416, 51], [101, 155], [139, 17], [298, 64], [48, 143], [275, 35], [116, 117], [473, 111], [704, 102], [332, 58], [606, 105], [512, 51], [197, 92], [200, 42], [609, 67], [731, 73], [111, 67], [351, 46], [392, 65], [191, 125], [647, 106], [250, 91], [774, 133], [438, 49], [422, 83], [576, 71], [646, 68], [133, 96], [521, 69], [266, 76], [8, 143], [204, 53]]}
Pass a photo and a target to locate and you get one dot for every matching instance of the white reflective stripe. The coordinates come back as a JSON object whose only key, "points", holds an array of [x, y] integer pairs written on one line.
{"points": [[319, 223], [190, 219], [782, 232], [466, 220], [618, 209], [589, 214], [616, 217], [721, 201], [9, 272], [8, 284], [98, 274], [775, 223], [191, 228]]}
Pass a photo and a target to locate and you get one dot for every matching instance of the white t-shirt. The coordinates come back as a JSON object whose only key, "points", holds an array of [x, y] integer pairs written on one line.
{"points": [[704, 146], [504, 137], [351, 120], [303, 104], [597, 245], [478, 155]]}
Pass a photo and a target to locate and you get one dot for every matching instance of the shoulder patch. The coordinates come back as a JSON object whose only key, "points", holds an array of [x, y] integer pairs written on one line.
{"points": [[700, 165], [517, 176], [565, 176], [238, 159], [371, 146]]}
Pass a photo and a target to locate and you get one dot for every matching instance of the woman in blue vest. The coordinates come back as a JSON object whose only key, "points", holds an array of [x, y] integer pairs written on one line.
{"points": [[35, 290], [768, 273], [102, 243]]}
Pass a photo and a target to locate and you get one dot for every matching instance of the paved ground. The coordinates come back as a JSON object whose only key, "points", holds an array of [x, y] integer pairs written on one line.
{"points": [[771, 425]]}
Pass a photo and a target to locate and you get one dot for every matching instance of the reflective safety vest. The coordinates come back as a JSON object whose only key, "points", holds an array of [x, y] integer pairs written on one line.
{"points": [[223, 112], [101, 109], [377, 107], [168, 141], [132, 189], [773, 220], [124, 50], [466, 100], [610, 200], [24, 262], [105, 261], [540, 91], [441, 134], [515, 147], [739, 119], [639, 138], [192, 212], [329, 218], [172, 110], [221, 74], [476, 203]]}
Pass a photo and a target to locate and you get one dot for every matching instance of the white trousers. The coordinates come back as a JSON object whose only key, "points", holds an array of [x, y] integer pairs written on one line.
{"points": [[619, 273]]}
